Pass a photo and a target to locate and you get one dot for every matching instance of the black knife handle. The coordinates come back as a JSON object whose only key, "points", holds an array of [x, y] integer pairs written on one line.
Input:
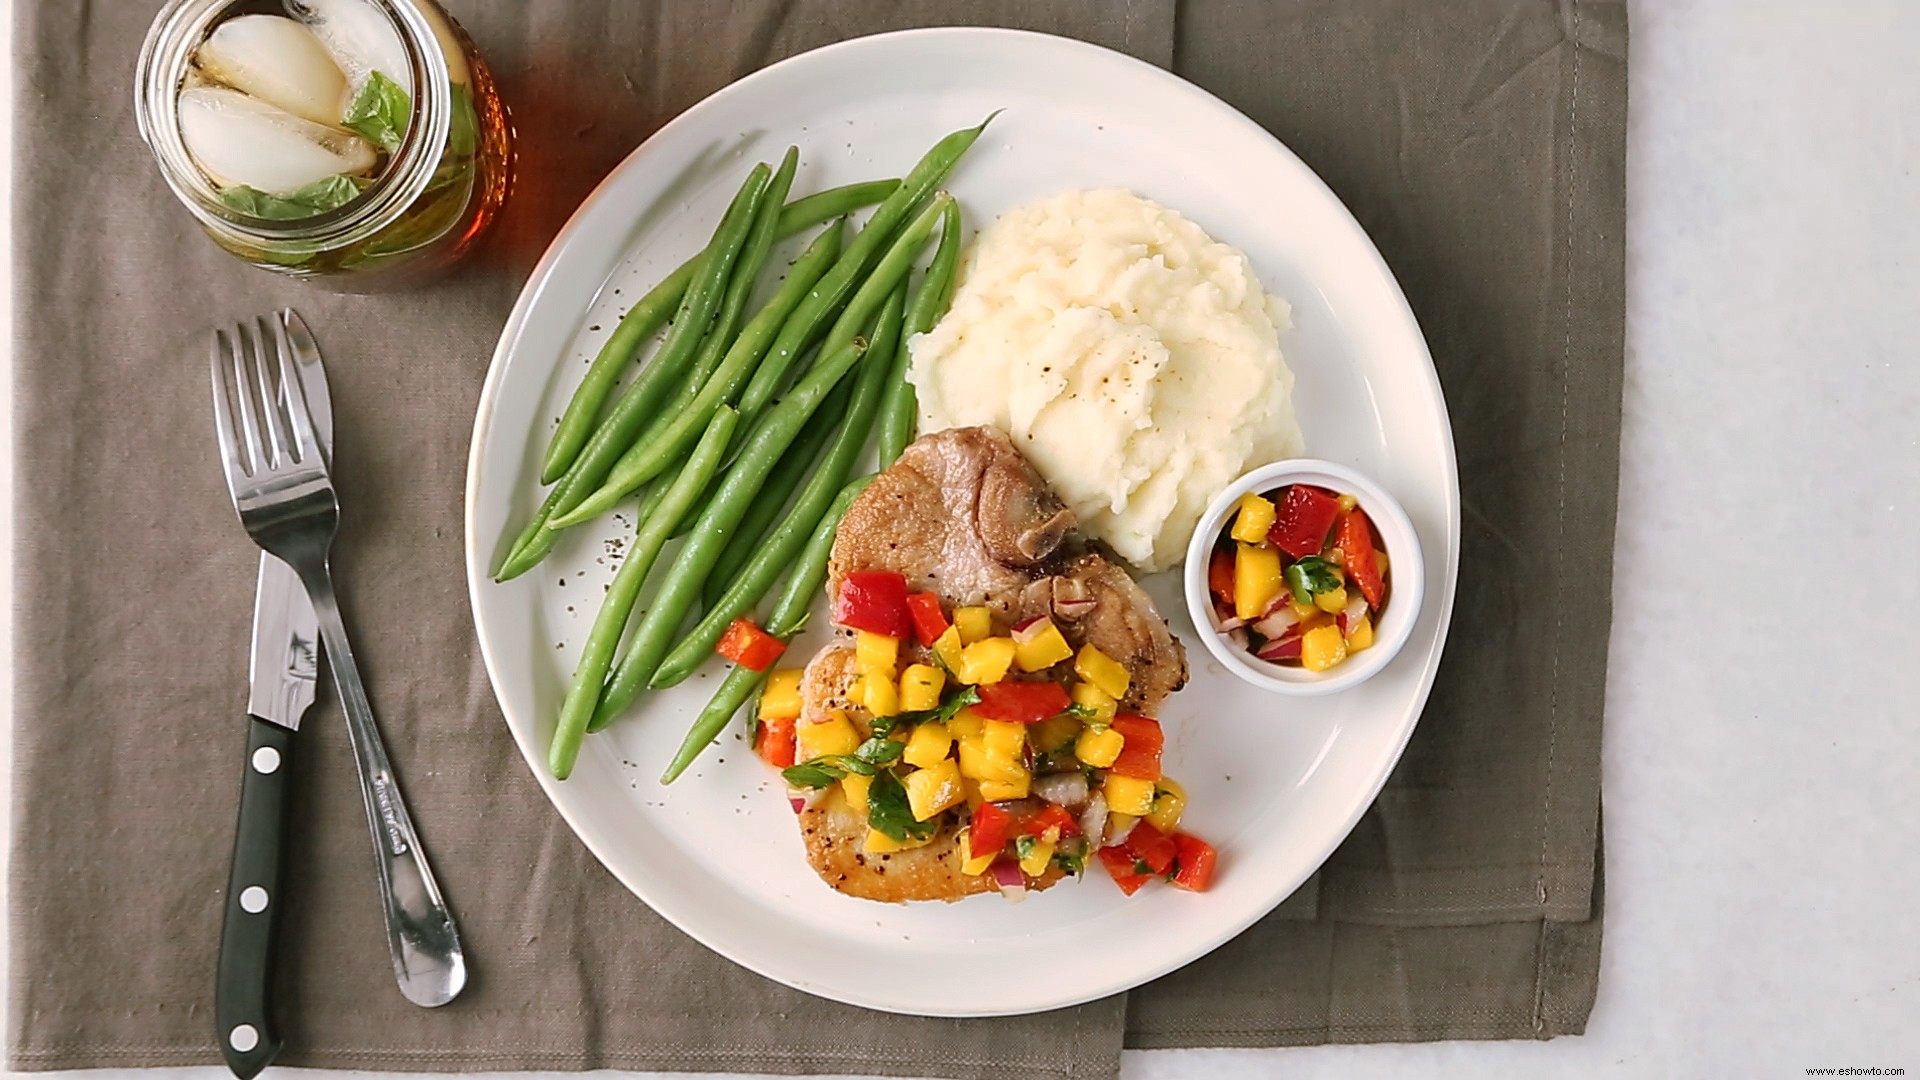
{"points": [[243, 993]]}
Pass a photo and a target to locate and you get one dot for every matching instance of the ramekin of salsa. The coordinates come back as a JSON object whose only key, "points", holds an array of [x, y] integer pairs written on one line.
{"points": [[1304, 577]]}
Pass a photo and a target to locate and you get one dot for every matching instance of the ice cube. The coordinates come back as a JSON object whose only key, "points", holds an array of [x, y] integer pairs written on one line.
{"points": [[360, 37], [237, 139], [279, 61]]}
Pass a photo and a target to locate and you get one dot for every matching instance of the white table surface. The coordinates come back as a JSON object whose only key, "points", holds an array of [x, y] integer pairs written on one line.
{"points": [[1763, 816]]}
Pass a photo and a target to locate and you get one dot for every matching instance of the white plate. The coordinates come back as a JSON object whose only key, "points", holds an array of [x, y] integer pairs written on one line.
{"points": [[1274, 783]]}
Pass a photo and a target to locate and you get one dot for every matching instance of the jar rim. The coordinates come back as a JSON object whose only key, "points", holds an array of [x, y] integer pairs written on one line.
{"points": [[165, 56]]}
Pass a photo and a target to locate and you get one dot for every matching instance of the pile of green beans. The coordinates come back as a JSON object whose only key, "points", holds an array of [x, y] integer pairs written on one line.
{"points": [[753, 470]]}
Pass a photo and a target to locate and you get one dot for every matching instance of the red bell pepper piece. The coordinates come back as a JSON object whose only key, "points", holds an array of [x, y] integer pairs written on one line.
{"points": [[1306, 513], [1193, 860], [1051, 816], [929, 622], [746, 644], [1355, 538], [1023, 702], [1220, 578], [876, 601], [1140, 757], [992, 828], [1119, 863], [1152, 847], [776, 746]]}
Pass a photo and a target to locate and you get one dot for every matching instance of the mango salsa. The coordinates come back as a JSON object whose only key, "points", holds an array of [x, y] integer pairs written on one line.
{"points": [[1168, 804], [1002, 790], [1360, 634], [781, 698], [1256, 580], [974, 623], [985, 661], [971, 863], [1053, 733], [876, 691], [1092, 698], [832, 734], [1126, 795], [1039, 645], [1037, 859], [1252, 519], [1099, 747], [879, 843], [857, 788], [927, 746], [1322, 647], [933, 789], [947, 648]]}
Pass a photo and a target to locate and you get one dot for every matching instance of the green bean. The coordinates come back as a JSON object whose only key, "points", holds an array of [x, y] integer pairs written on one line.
{"points": [[690, 321], [650, 313], [648, 455], [789, 614], [929, 304], [846, 273], [788, 475], [746, 272], [597, 655], [745, 478], [768, 560]]}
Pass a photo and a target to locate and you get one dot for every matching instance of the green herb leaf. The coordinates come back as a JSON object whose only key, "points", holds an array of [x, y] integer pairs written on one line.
{"points": [[316, 198], [948, 709], [463, 128], [1023, 847], [888, 811], [824, 770], [879, 751], [380, 112], [1081, 712], [1310, 575], [1072, 857]]}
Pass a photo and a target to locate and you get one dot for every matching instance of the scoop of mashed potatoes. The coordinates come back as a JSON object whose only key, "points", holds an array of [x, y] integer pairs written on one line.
{"points": [[1135, 359]]}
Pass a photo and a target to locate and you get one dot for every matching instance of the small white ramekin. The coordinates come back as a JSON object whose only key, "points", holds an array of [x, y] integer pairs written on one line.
{"points": [[1393, 532]]}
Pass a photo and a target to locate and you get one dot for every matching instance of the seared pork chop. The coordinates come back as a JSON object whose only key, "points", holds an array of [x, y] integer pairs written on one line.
{"points": [[964, 515]]}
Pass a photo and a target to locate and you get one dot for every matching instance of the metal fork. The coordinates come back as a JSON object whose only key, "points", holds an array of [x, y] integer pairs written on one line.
{"points": [[282, 489]]}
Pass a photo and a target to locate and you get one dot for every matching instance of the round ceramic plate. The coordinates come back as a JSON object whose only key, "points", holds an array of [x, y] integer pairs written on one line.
{"points": [[1274, 783]]}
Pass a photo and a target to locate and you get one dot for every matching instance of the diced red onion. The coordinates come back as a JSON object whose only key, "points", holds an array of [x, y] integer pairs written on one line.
{"points": [[1350, 617], [1073, 609], [1119, 835], [1234, 623], [1026, 629], [1239, 638], [1093, 820], [805, 798], [1281, 623], [1006, 874], [1071, 597], [1069, 789], [1282, 650]]}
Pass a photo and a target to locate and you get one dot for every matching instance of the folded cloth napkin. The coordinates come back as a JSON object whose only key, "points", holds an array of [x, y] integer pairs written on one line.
{"points": [[1479, 143]]}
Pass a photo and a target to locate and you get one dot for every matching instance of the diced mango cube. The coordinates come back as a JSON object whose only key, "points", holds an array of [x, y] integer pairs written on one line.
{"points": [[1099, 747], [1103, 671], [920, 687], [875, 654], [933, 789], [971, 863], [974, 623], [985, 661], [1040, 646], [1168, 804], [1360, 634], [966, 724], [1004, 738], [1302, 611], [1332, 601], [1252, 519], [1055, 732], [857, 788], [1037, 859], [1380, 561], [1347, 503], [947, 648], [977, 763], [878, 693], [1322, 647], [831, 734], [927, 746], [781, 698], [1002, 790], [879, 843], [972, 788], [1257, 580], [1088, 696], [1125, 795]]}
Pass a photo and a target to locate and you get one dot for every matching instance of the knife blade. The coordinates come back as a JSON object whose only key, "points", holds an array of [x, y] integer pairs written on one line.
{"points": [[283, 674]]}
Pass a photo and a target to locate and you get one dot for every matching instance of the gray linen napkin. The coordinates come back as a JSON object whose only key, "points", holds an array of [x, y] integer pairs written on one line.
{"points": [[1479, 145]]}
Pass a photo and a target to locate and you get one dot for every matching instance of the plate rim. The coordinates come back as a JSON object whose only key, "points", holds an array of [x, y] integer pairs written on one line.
{"points": [[514, 328]]}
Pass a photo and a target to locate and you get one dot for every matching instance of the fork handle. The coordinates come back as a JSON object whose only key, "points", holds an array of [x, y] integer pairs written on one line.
{"points": [[427, 958], [243, 985]]}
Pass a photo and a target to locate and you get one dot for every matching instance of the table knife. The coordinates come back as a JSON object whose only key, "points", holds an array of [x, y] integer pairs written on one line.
{"points": [[282, 676]]}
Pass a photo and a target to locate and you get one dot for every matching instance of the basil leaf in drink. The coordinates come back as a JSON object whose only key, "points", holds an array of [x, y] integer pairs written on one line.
{"points": [[316, 198], [889, 813], [463, 127], [379, 112]]}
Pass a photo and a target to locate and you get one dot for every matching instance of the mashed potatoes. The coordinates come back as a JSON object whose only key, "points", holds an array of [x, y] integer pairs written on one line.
{"points": [[1135, 360]]}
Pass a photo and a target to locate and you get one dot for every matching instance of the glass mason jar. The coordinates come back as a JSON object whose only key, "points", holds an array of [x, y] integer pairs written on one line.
{"points": [[440, 188]]}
